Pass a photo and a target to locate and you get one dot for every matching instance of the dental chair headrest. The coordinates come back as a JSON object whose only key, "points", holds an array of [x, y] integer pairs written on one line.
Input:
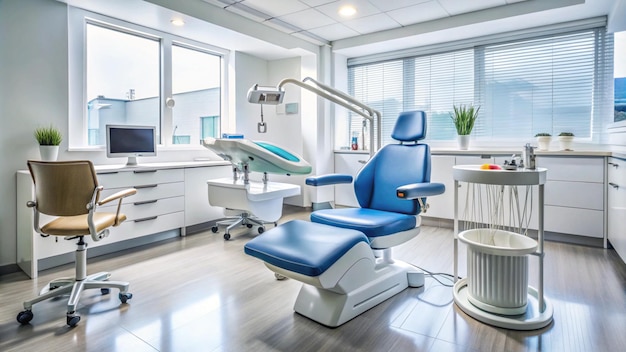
{"points": [[410, 126]]}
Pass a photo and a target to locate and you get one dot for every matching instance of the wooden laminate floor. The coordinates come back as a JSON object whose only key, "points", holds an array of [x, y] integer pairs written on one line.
{"points": [[201, 293]]}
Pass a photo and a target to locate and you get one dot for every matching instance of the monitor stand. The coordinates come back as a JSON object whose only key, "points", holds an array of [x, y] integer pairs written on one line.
{"points": [[132, 161]]}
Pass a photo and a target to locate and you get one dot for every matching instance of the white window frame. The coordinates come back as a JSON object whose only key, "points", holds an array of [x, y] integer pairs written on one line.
{"points": [[77, 119]]}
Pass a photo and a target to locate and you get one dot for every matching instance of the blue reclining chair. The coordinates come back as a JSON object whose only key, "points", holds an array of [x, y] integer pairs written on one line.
{"points": [[333, 255]]}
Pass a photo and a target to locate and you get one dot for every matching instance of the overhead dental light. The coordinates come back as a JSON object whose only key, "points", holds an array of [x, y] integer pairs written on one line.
{"points": [[274, 96], [265, 95]]}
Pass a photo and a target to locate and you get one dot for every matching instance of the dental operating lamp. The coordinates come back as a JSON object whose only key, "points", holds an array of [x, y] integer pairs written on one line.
{"points": [[274, 96]]}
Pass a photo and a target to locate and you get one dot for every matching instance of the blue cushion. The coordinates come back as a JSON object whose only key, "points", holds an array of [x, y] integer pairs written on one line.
{"points": [[303, 247], [372, 222]]}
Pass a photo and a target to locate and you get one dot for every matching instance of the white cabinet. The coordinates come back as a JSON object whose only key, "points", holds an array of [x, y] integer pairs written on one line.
{"points": [[350, 164], [442, 205], [617, 205], [197, 207], [167, 198], [574, 197]]}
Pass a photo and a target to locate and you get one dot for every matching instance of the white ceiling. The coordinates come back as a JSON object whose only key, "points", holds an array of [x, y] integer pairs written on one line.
{"points": [[320, 21], [276, 29]]}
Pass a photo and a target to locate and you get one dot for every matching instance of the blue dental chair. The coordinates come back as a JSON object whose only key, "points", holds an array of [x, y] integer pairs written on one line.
{"points": [[334, 255]]}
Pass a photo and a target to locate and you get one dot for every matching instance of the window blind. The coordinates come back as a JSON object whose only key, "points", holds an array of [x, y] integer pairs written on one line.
{"points": [[551, 83]]}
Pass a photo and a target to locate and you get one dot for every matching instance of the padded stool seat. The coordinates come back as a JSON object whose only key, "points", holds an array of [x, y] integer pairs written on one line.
{"points": [[304, 247]]}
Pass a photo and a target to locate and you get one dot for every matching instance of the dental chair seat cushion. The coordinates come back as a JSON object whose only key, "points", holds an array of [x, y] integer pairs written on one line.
{"points": [[371, 222], [303, 247]]}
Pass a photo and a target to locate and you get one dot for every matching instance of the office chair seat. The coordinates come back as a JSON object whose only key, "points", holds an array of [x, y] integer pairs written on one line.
{"points": [[78, 225]]}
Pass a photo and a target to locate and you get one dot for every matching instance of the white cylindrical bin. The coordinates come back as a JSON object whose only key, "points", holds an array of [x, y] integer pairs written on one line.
{"points": [[497, 269]]}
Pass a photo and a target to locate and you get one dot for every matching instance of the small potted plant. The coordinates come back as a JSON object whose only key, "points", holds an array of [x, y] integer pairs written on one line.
{"points": [[464, 118], [49, 139], [543, 140], [565, 140]]}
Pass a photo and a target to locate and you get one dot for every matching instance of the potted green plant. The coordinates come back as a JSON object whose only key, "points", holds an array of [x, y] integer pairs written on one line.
{"points": [[464, 118], [49, 139], [543, 140], [565, 140]]}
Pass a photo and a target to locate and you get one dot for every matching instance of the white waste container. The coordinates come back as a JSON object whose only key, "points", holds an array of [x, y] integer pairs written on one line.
{"points": [[497, 269]]}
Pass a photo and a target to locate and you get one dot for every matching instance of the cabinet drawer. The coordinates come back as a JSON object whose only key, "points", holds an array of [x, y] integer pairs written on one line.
{"points": [[617, 171], [151, 208], [575, 221], [575, 194], [582, 169], [126, 179], [137, 228], [149, 192]]}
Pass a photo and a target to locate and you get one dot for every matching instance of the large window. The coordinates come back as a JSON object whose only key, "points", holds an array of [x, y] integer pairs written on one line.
{"points": [[123, 73], [550, 83], [140, 76], [620, 77]]}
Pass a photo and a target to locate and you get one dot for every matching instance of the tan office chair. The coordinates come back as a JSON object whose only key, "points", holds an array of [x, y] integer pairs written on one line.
{"points": [[69, 191]]}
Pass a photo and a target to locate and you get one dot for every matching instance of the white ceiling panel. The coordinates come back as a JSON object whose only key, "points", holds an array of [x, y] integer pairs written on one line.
{"points": [[371, 24], [426, 11], [363, 9], [308, 19], [277, 8], [388, 5], [334, 32]]}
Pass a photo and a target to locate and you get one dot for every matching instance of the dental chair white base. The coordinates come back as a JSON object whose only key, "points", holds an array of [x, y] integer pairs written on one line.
{"points": [[383, 281], [352, 284]]}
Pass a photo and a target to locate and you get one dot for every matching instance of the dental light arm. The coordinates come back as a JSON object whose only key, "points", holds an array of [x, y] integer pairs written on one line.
{"points": [[274, 96]]}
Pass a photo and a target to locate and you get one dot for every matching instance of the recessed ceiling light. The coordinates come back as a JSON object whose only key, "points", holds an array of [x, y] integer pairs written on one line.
{"points": [[178, 22], [347, 11]]}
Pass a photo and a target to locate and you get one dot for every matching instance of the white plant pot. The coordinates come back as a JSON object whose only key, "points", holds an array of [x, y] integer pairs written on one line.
{"points": [[566, 142], [49, 152], [543, 142], [463, 141]]}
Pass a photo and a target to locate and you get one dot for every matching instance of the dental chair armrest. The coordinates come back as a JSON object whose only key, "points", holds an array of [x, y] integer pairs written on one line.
{"points": [[329, 179], [419, 190]]}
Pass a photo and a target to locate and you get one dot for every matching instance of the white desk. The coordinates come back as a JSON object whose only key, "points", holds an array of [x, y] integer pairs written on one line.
{"points": [[537, 315]]}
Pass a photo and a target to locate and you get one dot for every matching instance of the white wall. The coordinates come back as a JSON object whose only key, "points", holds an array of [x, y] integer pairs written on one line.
{"points": [[34, 91], [34, 85]]}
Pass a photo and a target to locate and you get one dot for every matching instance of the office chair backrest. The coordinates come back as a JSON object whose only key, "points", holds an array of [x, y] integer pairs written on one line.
{"points": [[395, 165], [63, 188]]}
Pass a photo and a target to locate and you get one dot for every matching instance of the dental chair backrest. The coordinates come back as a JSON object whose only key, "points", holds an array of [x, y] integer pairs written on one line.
{"points": [[395, 165]]}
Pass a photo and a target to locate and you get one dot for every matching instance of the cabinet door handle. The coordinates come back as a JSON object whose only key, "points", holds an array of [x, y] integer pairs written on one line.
{"points": [[614, 185], [107, 173], [614, 165], [362, 161], [144, 171], [147, 219], [145, 186], [146, 202]]}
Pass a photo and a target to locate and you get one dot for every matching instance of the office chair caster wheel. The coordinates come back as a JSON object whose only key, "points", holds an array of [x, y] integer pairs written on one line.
{"points": [[125, 297], [214, 229], [105, 291], [249, 226], [72, 319], [226, 236], [261, 230], [24, 317], [279, 276]]}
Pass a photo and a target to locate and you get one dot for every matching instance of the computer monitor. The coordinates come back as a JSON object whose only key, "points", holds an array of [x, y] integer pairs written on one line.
{"points": [[131, 142]]}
